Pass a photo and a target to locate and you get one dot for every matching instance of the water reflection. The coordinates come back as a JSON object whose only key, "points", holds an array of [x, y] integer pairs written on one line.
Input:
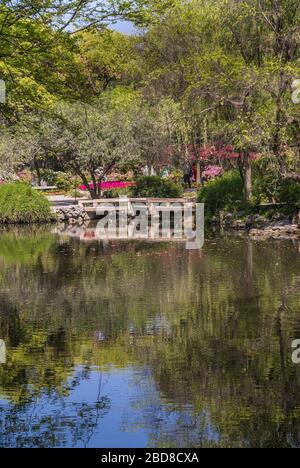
{"points": [[2, 352], [135, 343], [91, 232]]}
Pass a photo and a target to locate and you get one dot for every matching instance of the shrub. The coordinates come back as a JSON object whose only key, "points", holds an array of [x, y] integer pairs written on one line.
{"points": [[19, 203], [49, 176], [271, 187], [265, 187], [62, 180], [176, 177], [225, 192], [118, 192], [289, 192], [153, 186], [8, 176]]}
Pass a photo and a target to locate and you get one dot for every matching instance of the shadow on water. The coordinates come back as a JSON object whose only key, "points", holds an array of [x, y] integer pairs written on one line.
{"points": [[147, 344]]}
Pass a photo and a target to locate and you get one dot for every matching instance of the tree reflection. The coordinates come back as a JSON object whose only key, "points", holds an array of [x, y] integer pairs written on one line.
{"points": [[215, 329], [51, 420]]}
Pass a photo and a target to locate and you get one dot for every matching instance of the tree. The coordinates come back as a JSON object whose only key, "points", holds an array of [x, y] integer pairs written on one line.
{"points": [[91, 141], [105, 58], [230, 65], [38, 57]]}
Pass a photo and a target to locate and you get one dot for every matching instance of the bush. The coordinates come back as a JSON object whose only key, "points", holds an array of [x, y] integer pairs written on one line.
{"points": [[266, 187], [225, 192], [176, 177], [49, 176], [272, 187], [118, 192], [8, 176], [19, 203], [62, 180], [65, 181], [153, 186], [289, 193]]}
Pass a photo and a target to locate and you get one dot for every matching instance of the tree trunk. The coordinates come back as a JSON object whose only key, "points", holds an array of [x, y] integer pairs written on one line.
{"points": [[38, 172], [85, 181], [198, 181], [95, 191], [247, 177]]}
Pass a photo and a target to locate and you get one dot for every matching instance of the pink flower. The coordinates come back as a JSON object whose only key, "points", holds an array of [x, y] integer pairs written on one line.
{"points": [[212, 171], [109, 185]]}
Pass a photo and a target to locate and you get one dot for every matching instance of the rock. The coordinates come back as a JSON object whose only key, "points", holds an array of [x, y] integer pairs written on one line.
{"points": [[239, 224], [71, 214], [296, 218], [283, 222], [290, 231], [259, 222]]}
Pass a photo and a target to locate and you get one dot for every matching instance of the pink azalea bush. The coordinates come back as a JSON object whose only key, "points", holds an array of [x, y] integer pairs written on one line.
{"points": [[211, 172], [109, 185]]}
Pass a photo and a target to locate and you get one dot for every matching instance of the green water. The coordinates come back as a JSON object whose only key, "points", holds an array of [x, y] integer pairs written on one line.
{"points": [[134, 344]]}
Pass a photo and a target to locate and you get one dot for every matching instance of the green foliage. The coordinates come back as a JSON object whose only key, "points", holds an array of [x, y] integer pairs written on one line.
{"points": [[91, 141], [176, 176], [223, 192], [116, 193], [266, 187], [49, 176], [270, 186], [226, 193], [64, 181], [43, 60], [289, 192], [19, 203], [153, 186], [61, 180], [202, 72], [105, 57]]}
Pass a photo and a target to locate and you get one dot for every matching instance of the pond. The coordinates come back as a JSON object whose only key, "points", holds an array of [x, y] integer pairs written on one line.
{"points": [[137, 344]]}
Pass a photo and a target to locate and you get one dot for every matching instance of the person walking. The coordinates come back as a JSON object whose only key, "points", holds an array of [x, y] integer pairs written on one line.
{"points": [[187, 175]]}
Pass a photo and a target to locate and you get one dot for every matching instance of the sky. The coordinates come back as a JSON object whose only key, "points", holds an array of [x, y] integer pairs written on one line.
{"points": [[125, 27]]}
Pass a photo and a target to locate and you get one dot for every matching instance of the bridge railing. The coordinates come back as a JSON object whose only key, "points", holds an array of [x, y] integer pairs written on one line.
{"points": [[132, 205]]}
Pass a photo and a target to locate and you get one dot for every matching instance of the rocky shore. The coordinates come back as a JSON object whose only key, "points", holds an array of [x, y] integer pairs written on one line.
{"points": [[258, 226], [71, 214], [291, 231]]}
